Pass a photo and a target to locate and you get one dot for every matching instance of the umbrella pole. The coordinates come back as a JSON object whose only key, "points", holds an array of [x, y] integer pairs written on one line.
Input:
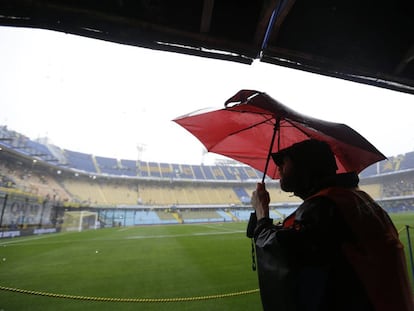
{"points": [[275, 129]]}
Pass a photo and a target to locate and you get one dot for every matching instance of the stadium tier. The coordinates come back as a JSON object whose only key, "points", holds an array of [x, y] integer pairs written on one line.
{"points": [[39, 183], [96, 164]]}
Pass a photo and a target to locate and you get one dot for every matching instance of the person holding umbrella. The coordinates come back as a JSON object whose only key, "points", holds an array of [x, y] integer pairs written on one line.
{"points": [[338, 251]]}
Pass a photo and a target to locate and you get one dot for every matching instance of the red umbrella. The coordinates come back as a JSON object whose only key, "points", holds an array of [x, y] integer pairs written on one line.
{"points": [[253, 125]]}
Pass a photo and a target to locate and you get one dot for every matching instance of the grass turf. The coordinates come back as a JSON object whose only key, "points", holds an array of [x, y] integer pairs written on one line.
{"points": [[136, 262]]}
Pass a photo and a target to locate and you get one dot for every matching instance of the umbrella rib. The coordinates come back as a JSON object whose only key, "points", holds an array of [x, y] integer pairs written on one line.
{"points": [[275, 129], [292, 124], [241, 130], [251, 126]]}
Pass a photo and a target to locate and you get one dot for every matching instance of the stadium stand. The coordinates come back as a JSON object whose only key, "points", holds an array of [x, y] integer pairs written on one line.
{"points": [[375, 190], [134, 192], [25, 146], [80, 161], [154, 169], [189, 216], [85, 191], [242, 215], [166, 216], [107, 165], [166, 170], [142, 169], [186, 171], [129, 218], [198, 173], [408, 161], [128, 168], [242, 194]]}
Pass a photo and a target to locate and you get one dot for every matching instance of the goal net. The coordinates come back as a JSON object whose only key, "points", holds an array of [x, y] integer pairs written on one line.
{"points": [[79, 221]]}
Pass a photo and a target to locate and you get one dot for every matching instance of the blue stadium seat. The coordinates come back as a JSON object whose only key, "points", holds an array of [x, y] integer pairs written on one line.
{"points": [[242, 194], [166, 170], [198, 173], [229, 172], [142, 169], [154, 169], [218, 173], [186, 171], [207, 172], [128, 167], [108, 165], [81, 161]]}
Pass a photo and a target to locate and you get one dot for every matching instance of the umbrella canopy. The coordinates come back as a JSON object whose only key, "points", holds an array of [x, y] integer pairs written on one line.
{"points": [[253, 125]]}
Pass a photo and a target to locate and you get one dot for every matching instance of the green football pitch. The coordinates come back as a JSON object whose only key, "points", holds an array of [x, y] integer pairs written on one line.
{"points": [[174, 267]]}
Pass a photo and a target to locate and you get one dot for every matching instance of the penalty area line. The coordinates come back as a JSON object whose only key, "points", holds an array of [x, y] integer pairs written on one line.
{"points": [[163, 236]]}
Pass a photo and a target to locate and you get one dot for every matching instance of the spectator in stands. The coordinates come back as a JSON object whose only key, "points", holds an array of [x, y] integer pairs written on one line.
{"points": [[338, 251]]}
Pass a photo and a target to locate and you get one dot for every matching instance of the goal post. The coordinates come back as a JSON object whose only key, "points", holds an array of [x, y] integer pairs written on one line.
{"points": [[79, 221]]}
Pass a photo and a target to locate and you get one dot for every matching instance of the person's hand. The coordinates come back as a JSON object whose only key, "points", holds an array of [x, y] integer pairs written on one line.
{"points": [[260, 201]]}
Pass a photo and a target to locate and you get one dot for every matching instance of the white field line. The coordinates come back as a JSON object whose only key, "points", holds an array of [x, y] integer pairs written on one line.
{"points": [[182, 235], [217, 226], [28, 240], [22, 240]]}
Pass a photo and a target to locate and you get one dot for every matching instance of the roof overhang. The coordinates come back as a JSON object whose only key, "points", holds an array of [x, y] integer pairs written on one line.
{"points": [[365, 41]]}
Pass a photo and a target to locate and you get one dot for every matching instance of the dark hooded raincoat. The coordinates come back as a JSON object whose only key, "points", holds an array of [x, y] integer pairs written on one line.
{"points": [[338, 251]]}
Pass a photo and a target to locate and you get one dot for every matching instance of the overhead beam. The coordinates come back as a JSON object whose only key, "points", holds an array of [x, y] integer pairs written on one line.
{"points": [[283, 9], [263, 22], [408, 58], [206, 16]]}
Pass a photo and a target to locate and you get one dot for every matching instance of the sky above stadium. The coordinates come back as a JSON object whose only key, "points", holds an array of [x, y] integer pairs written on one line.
{"points": [[119, 101]]}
